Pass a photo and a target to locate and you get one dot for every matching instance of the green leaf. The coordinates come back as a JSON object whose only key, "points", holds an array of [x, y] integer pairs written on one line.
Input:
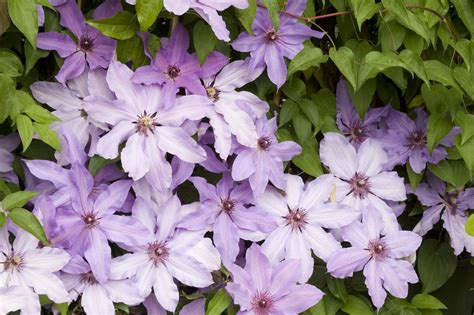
{"points": [[453, 172], [344, 59], [470, 225], [308, 161], [466, 122], [273, 9], [147, 12], [121, 26], [7, 90], [47, 135], [467, 151], [413, 177], [204, 40], [398, 307], [40, 115], [363, 10], [10, 64], [439, 127], [27, 221], [427, 301], [294, 88], [17, 199], [96, 164], [391, 35], [289, 109], [375, 62], [3, 219], [62, 308], [357, 306], [25, 17], [436, 264], [25, 129], [363, 96], [414, 63], [32, 56], [464, 48], [218, 303], [338, 288], [407, 18], [302, 127], [131, 50], [438, 71], [465, 10], [310, 109], [246, 16], [308, 57], [465, 79]]}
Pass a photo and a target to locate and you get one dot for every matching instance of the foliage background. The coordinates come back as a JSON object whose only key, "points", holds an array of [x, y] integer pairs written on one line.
{"points": [[408, 53]]}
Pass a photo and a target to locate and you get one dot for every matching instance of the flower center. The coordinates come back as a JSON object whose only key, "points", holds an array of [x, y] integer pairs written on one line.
{"points": [[158, 252], [146, 123], [360, 185], [296, 218], [212, 93], [173, 72], [83, 113], [356, 133], [14, 261], [227, 205], [451, 201], [90, 220], [378, 249], [271, 35], [264, 143], [262, 304], [417, 140], [88, 278], [86, 43]]}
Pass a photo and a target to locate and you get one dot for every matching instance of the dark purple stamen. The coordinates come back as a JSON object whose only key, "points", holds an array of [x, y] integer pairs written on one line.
{"points": [[296, 218], [86, 43], [212, 93], [227, 205], [173, 72], [90, 220], [14, 261], [271, 35], [145, 123], [158, 252], [360, 185], [417, 140], [378, 249], [262, 304], [264, 143], [88, 278]]}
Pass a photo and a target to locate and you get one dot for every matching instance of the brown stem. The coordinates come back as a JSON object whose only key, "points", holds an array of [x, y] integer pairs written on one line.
{"points": [[308, 19]]}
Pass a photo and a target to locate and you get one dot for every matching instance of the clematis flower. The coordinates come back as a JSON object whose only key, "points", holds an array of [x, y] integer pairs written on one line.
{"points": [[27, 271], [223, 207], [7, 145], [234, 111], [269, 46], [97, 298], [207, 9], [172, 68], [90, 48], [349, 122], [150, 131], [361, 180], [302, 214], [263, 160], [167, 256], [451, 207], [406, 140], [68, 103], [378, 255], [87, 224], [261, 288]]}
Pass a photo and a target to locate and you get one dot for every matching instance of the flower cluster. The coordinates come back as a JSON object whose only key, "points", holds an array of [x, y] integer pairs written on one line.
{"points": [[172, 181]]}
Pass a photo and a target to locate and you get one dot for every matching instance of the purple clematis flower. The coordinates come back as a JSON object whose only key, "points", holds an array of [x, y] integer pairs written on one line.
{"points": [[29, 271], [301, 215], [7, 145], [349, 122], [451, 207], [234, 111], [380, 256], [361, 180], [173, 68], [150, 130], [406, 141], [91, 48], [207, 9], [225, 208], [269, 45], [167, 256], [97, 298], [263, 289], [85, 226], [263, 161], [69, 105]]}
